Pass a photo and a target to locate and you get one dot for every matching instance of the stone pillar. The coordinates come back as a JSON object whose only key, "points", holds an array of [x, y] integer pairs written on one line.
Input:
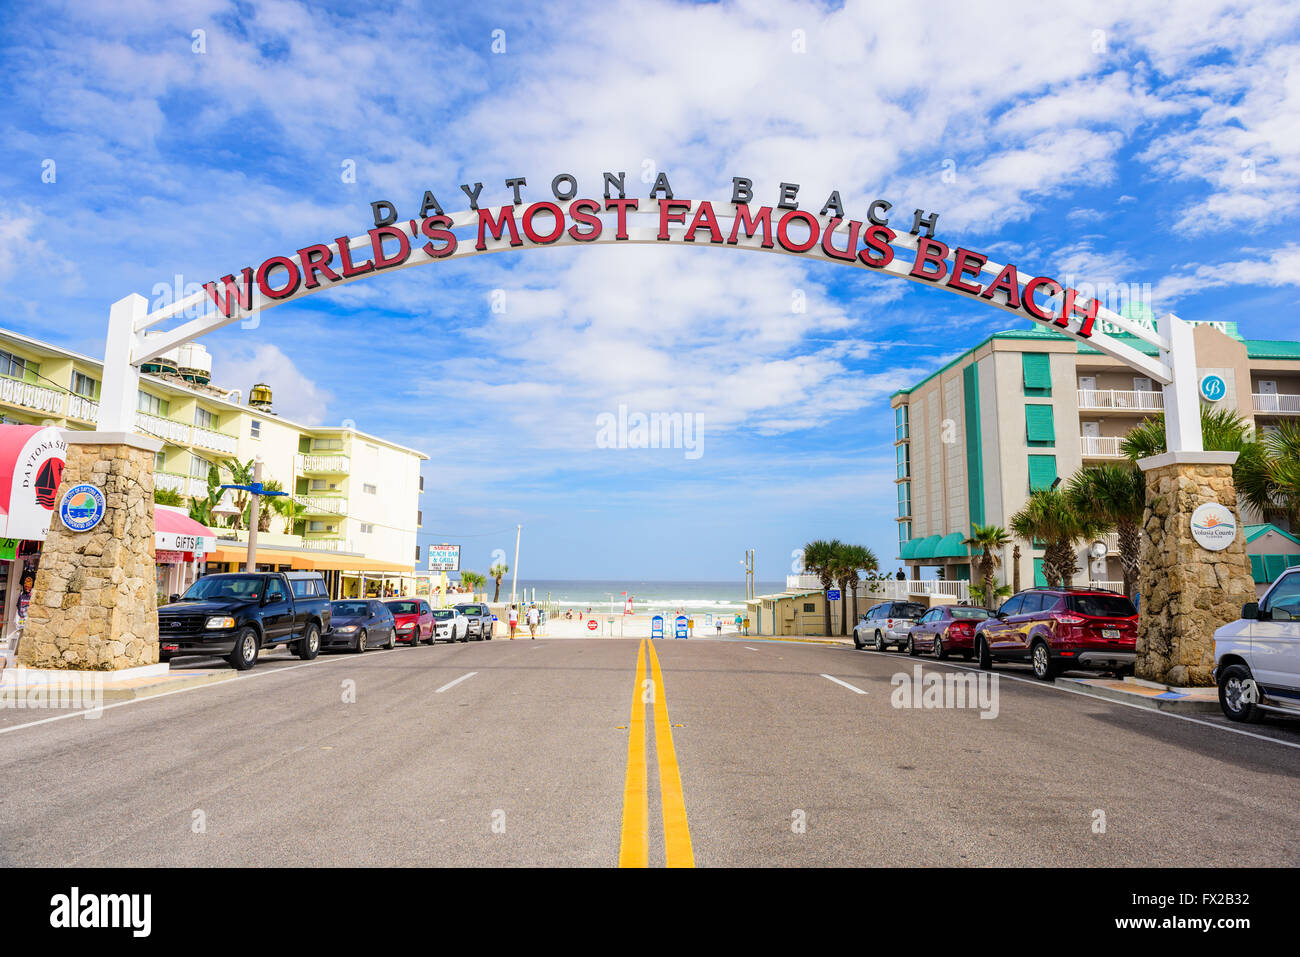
{"points": [[1186, 591], [94, 607]]}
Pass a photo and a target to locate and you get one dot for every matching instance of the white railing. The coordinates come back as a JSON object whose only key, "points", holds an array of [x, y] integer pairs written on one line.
{"points": [[1112, 542], [79, 407], [1100, 446], [324, 463], [170, 481], [217, 441], [326, 544], [177, 433], [319, 505], [889, 588], [31, 396], [1282, 404], [1119, 400], [1108, 586]]}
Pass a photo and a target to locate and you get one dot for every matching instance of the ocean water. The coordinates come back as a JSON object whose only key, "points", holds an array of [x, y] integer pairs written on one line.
{"points": [[648, 597]]}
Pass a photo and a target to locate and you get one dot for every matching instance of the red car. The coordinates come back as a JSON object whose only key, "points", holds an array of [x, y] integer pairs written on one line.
{"points": [[1055, 629], [945, 629], [414, 620]]}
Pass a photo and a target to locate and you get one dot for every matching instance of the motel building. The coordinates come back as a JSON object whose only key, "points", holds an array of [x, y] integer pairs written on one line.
{"points": [[359, 494], [1024, 408]]}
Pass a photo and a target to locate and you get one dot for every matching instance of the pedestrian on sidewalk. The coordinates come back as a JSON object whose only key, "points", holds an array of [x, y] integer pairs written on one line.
{"points": [[534, 616], [514, 620], [719, 624]]}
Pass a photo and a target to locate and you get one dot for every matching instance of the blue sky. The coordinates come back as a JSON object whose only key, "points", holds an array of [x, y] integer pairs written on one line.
{"points": [[1115, 143]]}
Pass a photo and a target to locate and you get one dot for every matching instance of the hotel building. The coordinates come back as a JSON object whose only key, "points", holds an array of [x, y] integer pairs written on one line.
{"points": [[1024, 408]]}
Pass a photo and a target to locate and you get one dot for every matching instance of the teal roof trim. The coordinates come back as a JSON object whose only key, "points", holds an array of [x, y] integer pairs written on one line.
{"points": [[1255, 531]]}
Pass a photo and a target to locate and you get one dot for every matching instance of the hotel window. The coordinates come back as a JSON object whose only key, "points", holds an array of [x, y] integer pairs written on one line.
{"points": [[1039, 428], [419, 519], [366, 528], [901, 429], [370, 489], [327, 445], [904, 532], [16, 366], [152, 405], [199, 467], [1037, 368], [159, 461], [205, 419], [84, 386], [904, 455], [1042, 472], [904, 499], [254, 429]]}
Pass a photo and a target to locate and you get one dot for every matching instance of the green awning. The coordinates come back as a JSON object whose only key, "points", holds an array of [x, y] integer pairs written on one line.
{"points": [[1042, 471], [1038, 371], [925, 547], [1038, 424], [908, 548], [951, 547]]}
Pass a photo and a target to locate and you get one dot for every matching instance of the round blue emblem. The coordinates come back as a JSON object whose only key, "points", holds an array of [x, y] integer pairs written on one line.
{"points": [[1213, 388], [81, 508]]}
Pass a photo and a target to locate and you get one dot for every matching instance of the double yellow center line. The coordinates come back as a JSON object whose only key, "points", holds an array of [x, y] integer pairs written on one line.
{"points": [[634, 849]]}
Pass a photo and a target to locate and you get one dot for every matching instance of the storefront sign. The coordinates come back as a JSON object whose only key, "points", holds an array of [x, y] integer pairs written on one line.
{"points": [[444, 558], [31, 466], [82, 508], [176, 542], [1213, 526], [8, 549], [168, 558], [1213, 388], [825, 231]]}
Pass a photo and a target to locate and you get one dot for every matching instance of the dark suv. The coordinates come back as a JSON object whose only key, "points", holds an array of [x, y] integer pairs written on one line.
{"points": [[888, 623], [1061, 628]]}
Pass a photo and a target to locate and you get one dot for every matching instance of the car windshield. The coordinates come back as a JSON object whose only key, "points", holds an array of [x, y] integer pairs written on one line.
{"points": [[403, 607], [227, 586], [350, 609], [975, 614], [443, 614], [909, 610], [1102, 606], [467, 609]]}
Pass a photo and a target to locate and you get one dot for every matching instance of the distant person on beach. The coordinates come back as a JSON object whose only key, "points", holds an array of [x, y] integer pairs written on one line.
{"points": [[738, 619], [746, 626], [719, 623], [514, 621], [534, 616]]}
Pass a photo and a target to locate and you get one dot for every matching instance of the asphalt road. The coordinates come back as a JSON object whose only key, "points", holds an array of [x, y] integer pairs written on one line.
{"points": [[531, 760]]}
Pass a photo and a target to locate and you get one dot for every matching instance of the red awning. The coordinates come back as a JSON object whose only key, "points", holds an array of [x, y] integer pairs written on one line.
{"points": [[31, 464], [175, 531]]}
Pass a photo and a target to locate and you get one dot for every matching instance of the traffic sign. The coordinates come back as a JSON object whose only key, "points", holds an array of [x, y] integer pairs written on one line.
{"points": [[591, 624], [833, 594]]}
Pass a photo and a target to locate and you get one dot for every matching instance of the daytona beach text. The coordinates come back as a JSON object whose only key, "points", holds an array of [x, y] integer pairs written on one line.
{"points": [[785, 227]]}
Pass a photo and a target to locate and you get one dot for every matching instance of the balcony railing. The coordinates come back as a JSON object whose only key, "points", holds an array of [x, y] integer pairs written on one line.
{"points": [[1108, 586], [327, 544], [31, 396], [332, 464], [1277, 404], [217, 441], [1119, 401], [79, 407], [322, 505], [178, 433], [1112, 542], [1100, 446], [171, 481]]}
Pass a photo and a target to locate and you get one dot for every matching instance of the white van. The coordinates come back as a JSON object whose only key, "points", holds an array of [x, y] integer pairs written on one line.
{"points": [[1257, 657]]}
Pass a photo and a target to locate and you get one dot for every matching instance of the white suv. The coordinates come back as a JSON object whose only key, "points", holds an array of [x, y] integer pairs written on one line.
{"points": [[888, 623], [1257, 657]]}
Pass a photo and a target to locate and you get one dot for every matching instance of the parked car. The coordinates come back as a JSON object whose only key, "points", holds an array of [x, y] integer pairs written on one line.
{"points": [[888, 623], [238, 615], [947, 629], [361, 623], [450, 625], [479, 618], [414, 620], [1257, 657], [1055, 629]]}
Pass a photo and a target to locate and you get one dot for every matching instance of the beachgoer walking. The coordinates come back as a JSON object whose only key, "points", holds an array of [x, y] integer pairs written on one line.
{"points": [[719, 623], [534, 616], [514, 621]]}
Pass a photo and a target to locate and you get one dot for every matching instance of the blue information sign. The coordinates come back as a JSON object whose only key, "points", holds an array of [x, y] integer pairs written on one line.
{"points": [[679, 626], [657, 626], [833, 594]]}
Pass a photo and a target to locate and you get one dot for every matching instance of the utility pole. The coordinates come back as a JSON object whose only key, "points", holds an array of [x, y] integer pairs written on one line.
{"points": [[254, 514], [514, 578]]}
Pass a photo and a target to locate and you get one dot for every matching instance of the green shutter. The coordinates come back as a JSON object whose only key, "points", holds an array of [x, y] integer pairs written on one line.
{"points": [[1039, 578], [1257, 569], [974, 461], [1038, 373], [1038, 424], [1292, 561], [1042, 471], [1274, 565]]}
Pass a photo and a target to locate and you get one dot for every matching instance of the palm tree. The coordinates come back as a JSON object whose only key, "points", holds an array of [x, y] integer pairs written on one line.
{"points": [[989, 599], [241, 473], [498, 571], [269, 505], [167, 496], [819, 558], [1048, 516], [201, 508], [1015, 568], [852, 560], [1117, 495], [990, 540], [474, 580], [292, 510]]}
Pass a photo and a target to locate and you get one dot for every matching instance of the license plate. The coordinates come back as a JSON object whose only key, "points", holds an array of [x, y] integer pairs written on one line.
{"points": [[171, 647], [1110, 633]]}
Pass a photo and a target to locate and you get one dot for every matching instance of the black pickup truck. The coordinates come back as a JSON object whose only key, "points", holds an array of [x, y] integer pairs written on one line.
{"points": [[237, 615]]}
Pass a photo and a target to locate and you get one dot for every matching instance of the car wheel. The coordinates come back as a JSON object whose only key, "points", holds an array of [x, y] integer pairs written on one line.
{"points": [[940, 651], [985, 656], [857, 642], [361, 642], [392, 640], [911, 646], [1044, 667], [1238, 695], [465, 637], [309, 647], [244, 655], [880, 642]]}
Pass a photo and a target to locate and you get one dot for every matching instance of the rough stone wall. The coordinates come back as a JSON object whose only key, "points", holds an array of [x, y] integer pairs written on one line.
{"points": [[94, 605], [1186, 591]]}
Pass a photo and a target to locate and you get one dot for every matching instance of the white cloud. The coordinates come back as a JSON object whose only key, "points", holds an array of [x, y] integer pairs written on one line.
{"points": [[295, 396]]}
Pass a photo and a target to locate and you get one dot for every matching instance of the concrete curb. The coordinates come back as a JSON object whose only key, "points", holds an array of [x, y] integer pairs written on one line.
{"points": [[810, 641], [1151, 697]]}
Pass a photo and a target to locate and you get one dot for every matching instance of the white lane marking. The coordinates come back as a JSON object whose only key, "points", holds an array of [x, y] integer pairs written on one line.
{"points": [[452, 684], [1035, 683], [747, 648], [844, 683], [168, 694]]}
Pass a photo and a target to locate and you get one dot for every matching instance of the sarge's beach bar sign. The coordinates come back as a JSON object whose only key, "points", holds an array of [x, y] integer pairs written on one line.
{"points": [[561, 217]]}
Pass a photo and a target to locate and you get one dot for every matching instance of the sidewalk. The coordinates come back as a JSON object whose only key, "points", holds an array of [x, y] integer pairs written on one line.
{"points": [[1147, 694], [105, 685]]}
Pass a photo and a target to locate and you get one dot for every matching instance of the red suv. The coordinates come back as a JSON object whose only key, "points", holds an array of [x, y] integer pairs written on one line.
{"points": [[414, 620], [1059, 628]]}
